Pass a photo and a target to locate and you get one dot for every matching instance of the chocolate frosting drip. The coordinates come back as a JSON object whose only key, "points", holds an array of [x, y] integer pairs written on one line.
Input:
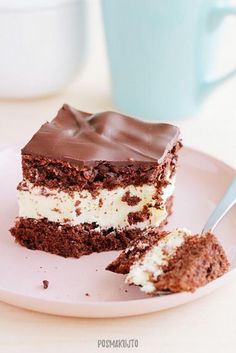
{"points": [[86, 139]]}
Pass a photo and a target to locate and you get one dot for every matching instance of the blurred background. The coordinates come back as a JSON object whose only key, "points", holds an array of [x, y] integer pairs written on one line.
{"points": [[158, 60]]}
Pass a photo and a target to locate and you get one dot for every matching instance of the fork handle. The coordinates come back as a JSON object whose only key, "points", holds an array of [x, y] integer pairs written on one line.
{"points": [[225, 204]]}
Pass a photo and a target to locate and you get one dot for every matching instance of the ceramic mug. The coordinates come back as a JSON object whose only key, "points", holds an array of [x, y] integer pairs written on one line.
{"points": [[157, 53], [42, 46]]}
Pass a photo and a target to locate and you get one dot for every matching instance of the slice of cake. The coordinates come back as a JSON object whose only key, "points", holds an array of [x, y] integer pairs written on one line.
{"points": [[92, 183], [171, 261]]}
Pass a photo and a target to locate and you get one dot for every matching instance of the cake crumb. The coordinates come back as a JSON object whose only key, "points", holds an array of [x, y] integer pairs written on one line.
{"points": [[45, 284], [77, 203], [55, 209], [139, 216], [129, 199], [78, 211]]}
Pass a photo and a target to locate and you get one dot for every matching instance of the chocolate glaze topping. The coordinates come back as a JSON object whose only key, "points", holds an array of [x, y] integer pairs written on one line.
{"points": [[84, 138]]}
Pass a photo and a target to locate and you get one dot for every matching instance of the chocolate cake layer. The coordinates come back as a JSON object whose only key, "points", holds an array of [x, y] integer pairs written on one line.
{"points": [[136, 249], [199, 261], [73, 241], [80, 151], [84, 139], [179, 264], [43, 171]]}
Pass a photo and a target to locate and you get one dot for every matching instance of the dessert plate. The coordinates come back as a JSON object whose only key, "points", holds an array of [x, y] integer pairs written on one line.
{"points": [[81, 287]]}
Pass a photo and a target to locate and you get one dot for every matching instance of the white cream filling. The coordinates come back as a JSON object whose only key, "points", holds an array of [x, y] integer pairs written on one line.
{"points": [[154, 260], [59, 206]]}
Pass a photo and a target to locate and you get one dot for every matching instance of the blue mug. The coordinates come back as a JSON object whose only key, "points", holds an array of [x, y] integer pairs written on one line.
{"points": [[157, 54]]}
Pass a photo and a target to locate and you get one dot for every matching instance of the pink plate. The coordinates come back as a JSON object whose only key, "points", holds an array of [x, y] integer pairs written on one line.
{"points": [[81, 287]]}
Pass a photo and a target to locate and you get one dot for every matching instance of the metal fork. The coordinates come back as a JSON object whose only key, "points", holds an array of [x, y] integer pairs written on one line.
{"points": [[224, 205]]}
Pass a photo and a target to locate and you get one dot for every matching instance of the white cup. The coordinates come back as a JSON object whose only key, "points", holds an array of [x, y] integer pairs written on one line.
{"points": [[42, 46]]}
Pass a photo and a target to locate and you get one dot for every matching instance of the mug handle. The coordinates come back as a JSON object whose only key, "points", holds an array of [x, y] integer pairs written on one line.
{"points": [[220, 9]]}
